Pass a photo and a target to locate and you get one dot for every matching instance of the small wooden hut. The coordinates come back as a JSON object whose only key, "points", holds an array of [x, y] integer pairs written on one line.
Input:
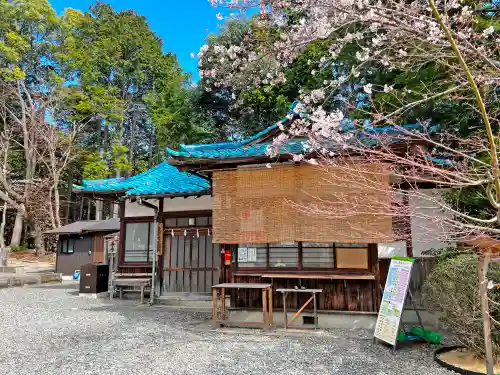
{"points": [[81, 243]]}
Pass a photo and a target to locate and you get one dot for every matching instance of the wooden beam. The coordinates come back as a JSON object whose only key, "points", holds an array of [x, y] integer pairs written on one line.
{"points": [[297, 314], [314, 276]]}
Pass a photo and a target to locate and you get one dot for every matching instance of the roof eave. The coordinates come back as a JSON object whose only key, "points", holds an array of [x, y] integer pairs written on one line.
{"points": [[170, 195], [187, 164]]}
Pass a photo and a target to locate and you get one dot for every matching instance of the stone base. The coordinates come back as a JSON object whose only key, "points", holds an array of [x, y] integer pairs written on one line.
{"points": [[331, 319]]}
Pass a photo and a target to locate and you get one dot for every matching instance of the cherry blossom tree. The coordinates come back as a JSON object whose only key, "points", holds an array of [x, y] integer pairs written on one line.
{"points": [[360, 116], [457, 40]]}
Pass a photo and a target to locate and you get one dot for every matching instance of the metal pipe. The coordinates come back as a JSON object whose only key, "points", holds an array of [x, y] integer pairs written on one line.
{"points": [[141, 202]]}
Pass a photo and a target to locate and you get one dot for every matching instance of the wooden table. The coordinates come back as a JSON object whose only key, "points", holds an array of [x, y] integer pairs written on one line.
{"points": [[297, 314], [267, 304]]}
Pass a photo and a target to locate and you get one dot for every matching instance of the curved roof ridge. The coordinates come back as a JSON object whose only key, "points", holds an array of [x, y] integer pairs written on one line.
{"points": [[229, 145]]}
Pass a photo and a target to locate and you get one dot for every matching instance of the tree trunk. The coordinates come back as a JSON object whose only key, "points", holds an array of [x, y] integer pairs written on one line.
{"points": [[132, 143], [4, 251], [39, 246], [116, 206], [151, 149], [2, 226], [69, 205], [51, 210], [102, 153], [82, 201], [57, 203], [17, 232]]}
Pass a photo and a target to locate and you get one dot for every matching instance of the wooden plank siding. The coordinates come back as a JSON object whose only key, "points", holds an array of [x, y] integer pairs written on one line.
{"points": [[67, 263], [343, 290], [98, 248], [341, 295]]}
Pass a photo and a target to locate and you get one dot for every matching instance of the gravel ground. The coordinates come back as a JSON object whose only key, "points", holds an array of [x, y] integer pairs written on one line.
{"points": [[48, 329]]}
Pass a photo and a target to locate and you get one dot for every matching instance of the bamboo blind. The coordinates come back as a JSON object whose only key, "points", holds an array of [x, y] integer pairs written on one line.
{"points": [[271, 205]]}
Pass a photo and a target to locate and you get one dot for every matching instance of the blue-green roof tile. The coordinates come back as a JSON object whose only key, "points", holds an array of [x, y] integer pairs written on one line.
{"points": [[162, 179], [255, 150]]}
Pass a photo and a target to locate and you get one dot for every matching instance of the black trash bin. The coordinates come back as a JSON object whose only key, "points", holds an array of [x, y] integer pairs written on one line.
{"points": [[94, 278]]}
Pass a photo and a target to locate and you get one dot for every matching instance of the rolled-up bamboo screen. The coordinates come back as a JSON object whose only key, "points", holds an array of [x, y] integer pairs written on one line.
{"points": [[271, 205]]}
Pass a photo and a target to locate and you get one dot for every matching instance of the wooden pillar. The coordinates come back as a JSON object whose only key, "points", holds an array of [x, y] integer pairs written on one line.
{"points": [[121, 245], [159, 239], [375, 269], [483, 264], [89, 207], [99, 204], [407, 224]]}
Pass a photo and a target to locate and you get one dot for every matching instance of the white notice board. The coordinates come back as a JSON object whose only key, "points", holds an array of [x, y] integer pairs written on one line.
{"points": [[247, 255], [242, 255], [393, 300], [252, 254]]}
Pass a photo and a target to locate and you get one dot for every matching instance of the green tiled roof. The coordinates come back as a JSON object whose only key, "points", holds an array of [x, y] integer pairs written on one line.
{"points": [[255, 150], [162, 179], [250, 147], [239, 149], [233, 150]]}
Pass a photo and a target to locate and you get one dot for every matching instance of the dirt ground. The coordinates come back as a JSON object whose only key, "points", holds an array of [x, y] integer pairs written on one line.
{"points": [[31, 259]]}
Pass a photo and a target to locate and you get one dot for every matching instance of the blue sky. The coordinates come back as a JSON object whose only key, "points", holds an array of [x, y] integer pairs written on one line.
{"points": [[182, 24]]}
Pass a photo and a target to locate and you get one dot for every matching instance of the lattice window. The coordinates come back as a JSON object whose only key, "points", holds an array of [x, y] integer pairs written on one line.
{"points": [[139, 242], [318, 255], [283, 255]]}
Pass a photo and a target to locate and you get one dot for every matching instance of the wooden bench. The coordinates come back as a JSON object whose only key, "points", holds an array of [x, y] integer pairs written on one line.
{"points": [[123, 284]]}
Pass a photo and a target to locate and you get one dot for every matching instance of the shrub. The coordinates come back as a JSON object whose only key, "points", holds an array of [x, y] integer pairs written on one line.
{"points": [[19, 248], [451, 291]]}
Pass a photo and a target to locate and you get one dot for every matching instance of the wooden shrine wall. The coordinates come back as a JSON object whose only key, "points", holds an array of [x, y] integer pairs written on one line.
{"points": [[340, 295]]}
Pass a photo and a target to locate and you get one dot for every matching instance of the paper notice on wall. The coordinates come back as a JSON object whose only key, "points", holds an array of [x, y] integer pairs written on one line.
{"points": [[242, 255], [393, 300], [252, 254]]}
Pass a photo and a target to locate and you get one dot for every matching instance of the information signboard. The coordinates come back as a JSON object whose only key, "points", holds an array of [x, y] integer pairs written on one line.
{"points": [[242, 255], [252, 254], [393, 300]]}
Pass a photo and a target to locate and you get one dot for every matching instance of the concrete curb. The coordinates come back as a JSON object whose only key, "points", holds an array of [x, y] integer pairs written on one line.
{"points": [[29, 279]]}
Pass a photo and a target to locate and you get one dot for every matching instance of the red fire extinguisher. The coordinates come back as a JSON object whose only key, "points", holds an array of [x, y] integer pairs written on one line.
{"points": [[227, 257]]}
